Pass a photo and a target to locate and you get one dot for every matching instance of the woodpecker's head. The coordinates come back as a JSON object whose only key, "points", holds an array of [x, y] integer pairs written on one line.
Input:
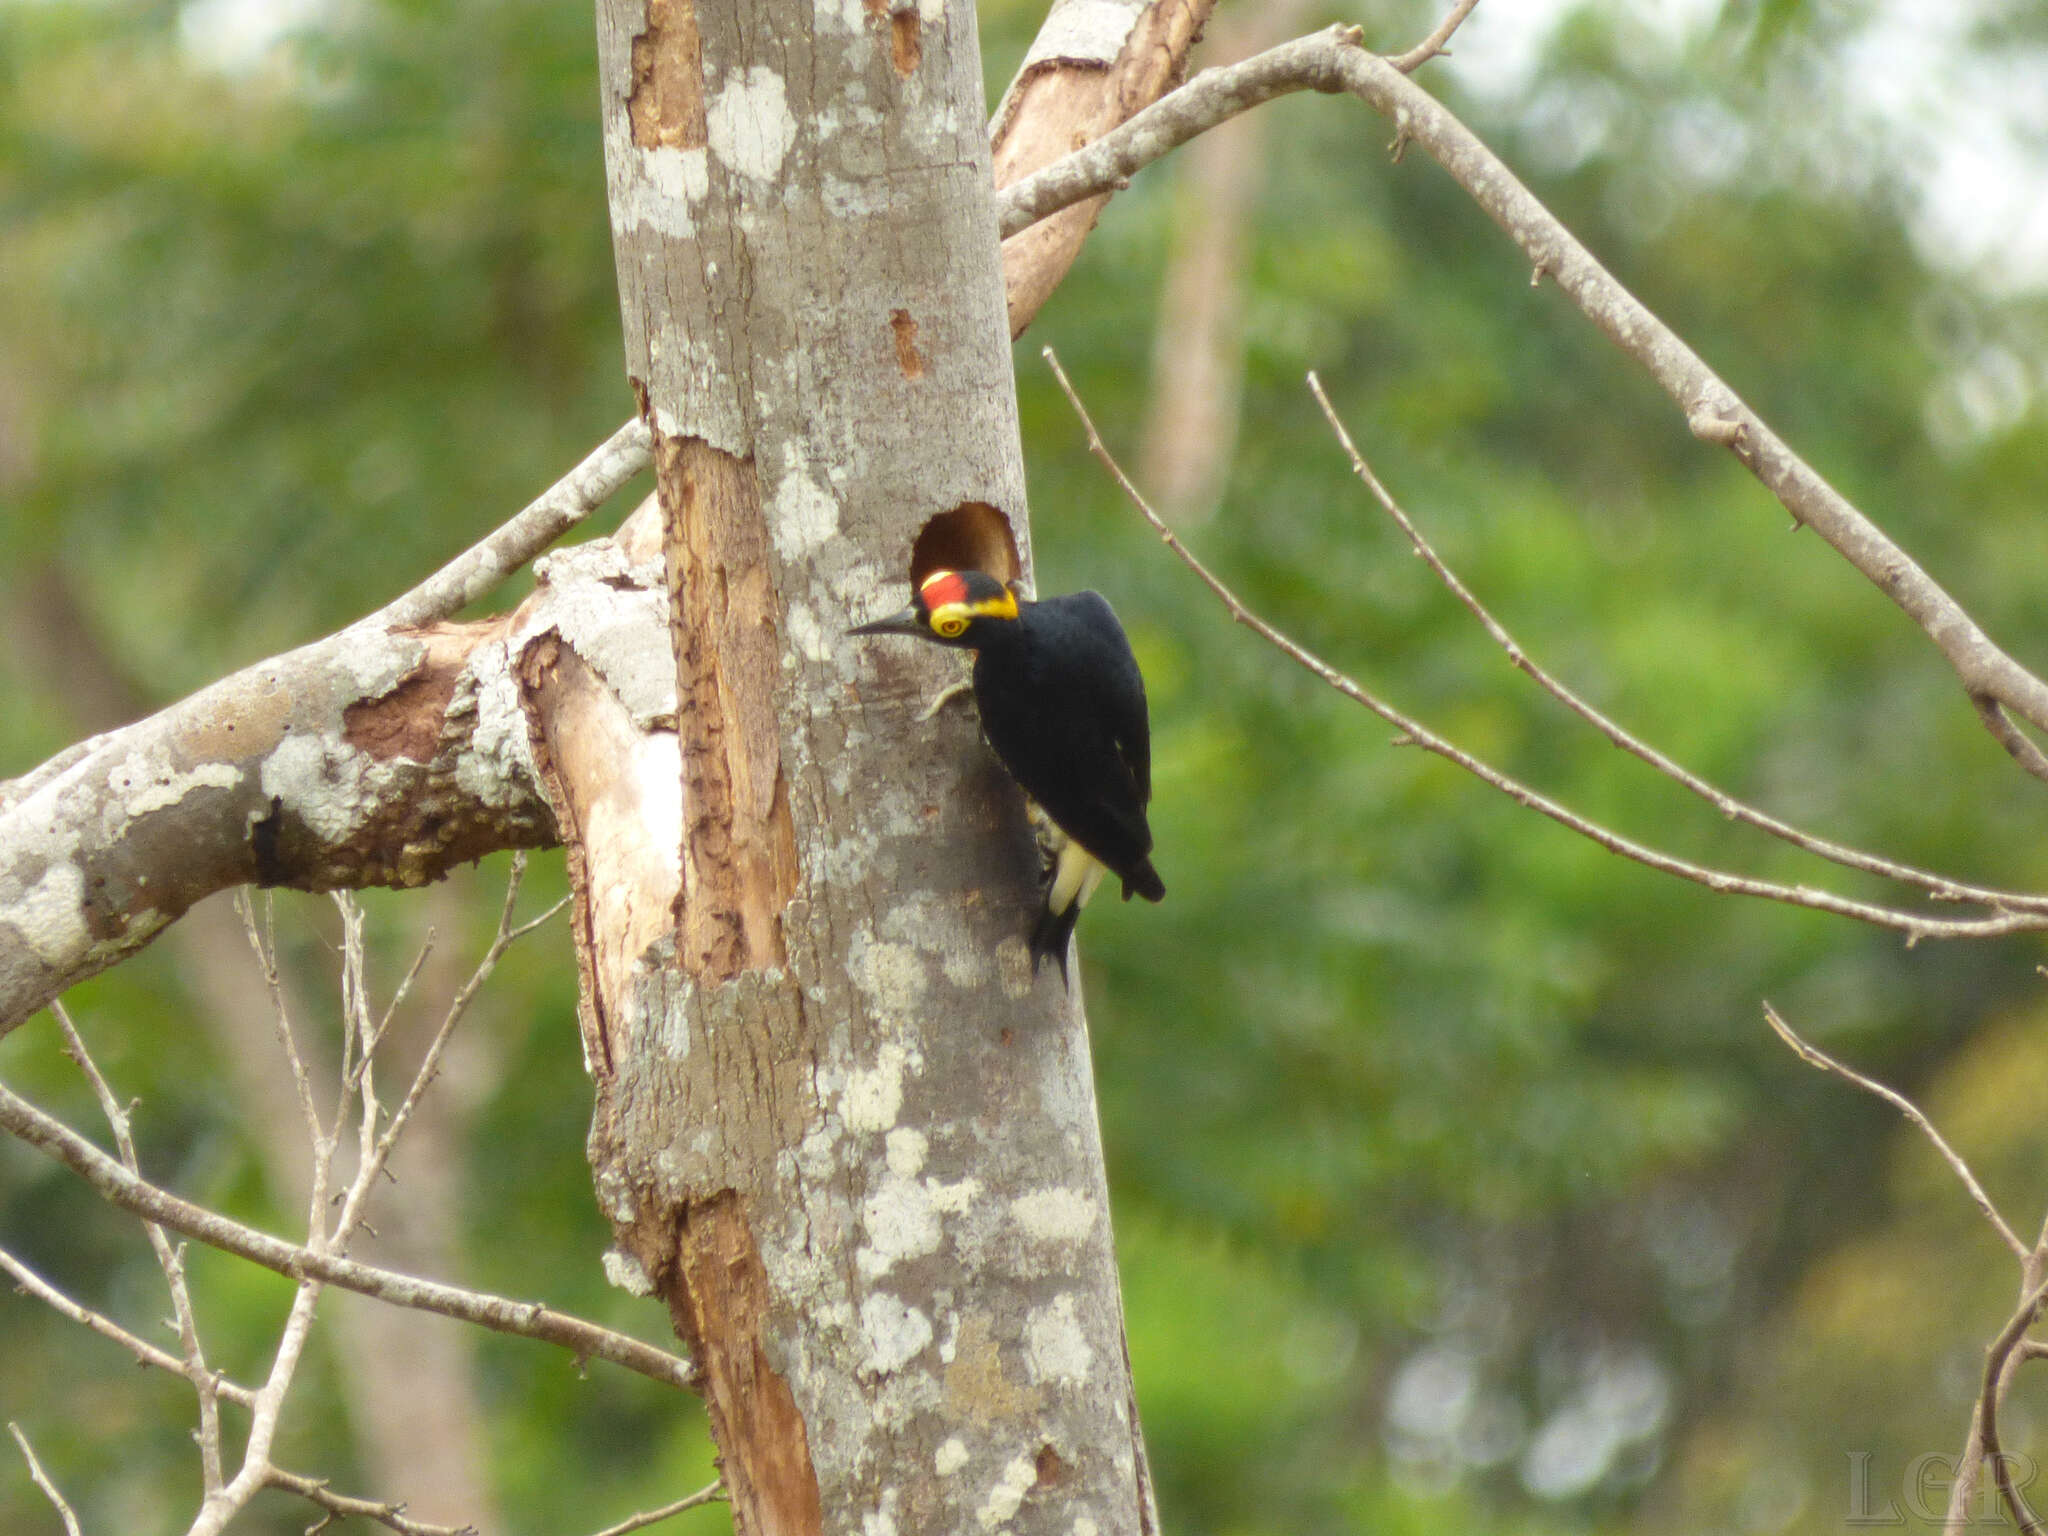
{"points": [[952, 608]]}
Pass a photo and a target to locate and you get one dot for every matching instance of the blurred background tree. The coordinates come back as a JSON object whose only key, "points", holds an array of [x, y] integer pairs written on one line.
{"points": [[1456, 1176]]}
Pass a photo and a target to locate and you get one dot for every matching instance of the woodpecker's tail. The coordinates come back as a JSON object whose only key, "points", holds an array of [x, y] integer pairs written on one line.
{"points": [[1144, 881], [1050, 939], [1071, 880]]}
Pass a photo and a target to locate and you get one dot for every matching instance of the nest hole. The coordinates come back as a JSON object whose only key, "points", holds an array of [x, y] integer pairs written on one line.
{"points": [[974, 536]]}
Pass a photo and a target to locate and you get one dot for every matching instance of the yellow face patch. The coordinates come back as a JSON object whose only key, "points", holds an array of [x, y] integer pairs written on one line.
{"points": [[951, 605]]}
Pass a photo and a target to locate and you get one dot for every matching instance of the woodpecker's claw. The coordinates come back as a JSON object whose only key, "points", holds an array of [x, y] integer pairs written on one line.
{"points": [[946, 695]]}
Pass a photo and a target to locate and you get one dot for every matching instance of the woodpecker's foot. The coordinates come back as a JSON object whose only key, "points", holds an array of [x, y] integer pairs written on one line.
{"points": [[946, 696]]}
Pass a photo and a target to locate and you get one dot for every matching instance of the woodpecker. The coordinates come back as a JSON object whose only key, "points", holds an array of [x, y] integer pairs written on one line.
{"points": [[1063, 705]]}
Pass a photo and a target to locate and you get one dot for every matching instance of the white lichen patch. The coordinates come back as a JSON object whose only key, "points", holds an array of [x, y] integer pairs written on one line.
{"points": [[150, 786], [1083, 1526], [873, 1097], [966, 967], [375, 661], [656, 188], [627, 1273], [903, 1220], [1013, 967], [1055, 1215], [844, 15], [894, 1332], [906, 1149], [679, 175], [51, 917], [807, 635], [901, 1223], [882, 1521], [1055, 1348], [1007, 1496], [498, 767], [749, 123], [891, 976], [950, 1457], [804, 515], [323, 787]]}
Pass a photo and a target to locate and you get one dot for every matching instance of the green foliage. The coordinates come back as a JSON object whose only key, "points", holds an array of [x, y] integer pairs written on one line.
{"points": [[1417, 1105]]}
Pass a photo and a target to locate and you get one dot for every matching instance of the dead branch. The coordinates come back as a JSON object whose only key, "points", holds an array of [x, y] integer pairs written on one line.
{"points": [[42, 1480], [1996, 1371], [1433, 45], [1814, 1056], [532, 1320], [477, 571], [649, 1517], [1940, 887], [1914, 925], [1333, 61], [1093, 63], [391, 1515]]}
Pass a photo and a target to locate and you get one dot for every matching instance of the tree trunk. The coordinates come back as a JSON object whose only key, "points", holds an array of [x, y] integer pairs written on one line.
{"points": [[841, 1128]]}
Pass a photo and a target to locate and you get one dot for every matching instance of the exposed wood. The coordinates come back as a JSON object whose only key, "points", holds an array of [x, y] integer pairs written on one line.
{"points": [[1094, 63]]}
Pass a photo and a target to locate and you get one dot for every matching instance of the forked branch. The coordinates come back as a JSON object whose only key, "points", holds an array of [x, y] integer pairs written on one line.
{"points": [[1333, 61]]}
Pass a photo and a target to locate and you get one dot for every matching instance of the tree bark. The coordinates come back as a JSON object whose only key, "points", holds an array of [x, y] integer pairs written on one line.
{"points": [[841, 1130]]}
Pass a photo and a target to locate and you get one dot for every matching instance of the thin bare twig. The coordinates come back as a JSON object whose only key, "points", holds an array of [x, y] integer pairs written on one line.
{"points": [[170, 1258], [430, 1063], [132, 1193], [1915, 926], [478, 570], [404, 987], [42, 1480], [356, 1095], [1334, 61], [1433, 44], [1940, 887], [30, 1283], [1994, 1391], [263, 940], [385, 1512], [702, 1496], [1814, 1056]]}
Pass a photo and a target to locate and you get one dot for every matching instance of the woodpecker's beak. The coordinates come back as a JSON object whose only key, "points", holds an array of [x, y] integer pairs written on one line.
{"points": [[903, 623]]}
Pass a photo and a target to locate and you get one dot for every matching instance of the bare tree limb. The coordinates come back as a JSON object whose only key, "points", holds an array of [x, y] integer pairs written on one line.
{"points": [[530, 1320], [42, 1480], [1940, 887], [1333, 61], [1914, 925], [1814, 1056]]}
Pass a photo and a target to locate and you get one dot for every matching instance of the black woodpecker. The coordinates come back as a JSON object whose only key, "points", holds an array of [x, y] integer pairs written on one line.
{"points": [[1063, 705]]}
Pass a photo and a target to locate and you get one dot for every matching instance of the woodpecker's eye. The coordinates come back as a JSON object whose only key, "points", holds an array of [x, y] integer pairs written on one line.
{"points": [[950, 626]]}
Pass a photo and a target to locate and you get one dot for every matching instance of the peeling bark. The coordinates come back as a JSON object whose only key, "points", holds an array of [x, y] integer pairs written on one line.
{"points": [[380, 756], [1093, 64]]}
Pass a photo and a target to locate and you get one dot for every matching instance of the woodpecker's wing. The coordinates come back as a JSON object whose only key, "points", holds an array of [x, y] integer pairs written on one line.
{"points": [[1065, 711], [1123, 701]]}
